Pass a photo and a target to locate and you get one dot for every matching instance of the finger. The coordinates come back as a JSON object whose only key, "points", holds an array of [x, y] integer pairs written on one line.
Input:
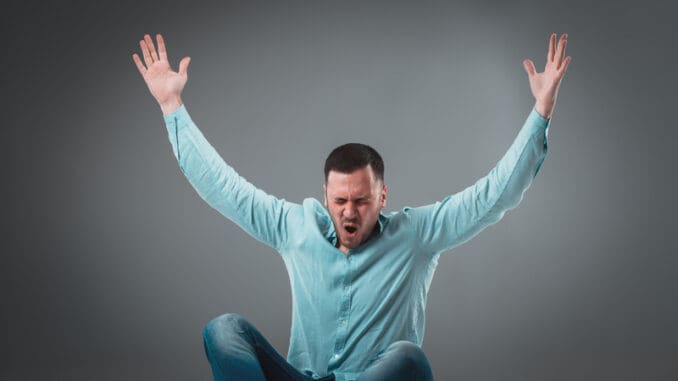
{"points": [[151, 48], [162, 52], [552, 50], [563, 68], [140, 66], [560, 52], [529, 67], [183, 65], [147, 56]]}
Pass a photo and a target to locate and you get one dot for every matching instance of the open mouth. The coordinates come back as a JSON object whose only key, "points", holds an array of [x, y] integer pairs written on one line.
{"points": [[350, 229]]}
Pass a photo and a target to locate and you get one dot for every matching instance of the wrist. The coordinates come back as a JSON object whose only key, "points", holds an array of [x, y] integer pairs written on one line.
{"points": [[171, 105], [544, 109]]}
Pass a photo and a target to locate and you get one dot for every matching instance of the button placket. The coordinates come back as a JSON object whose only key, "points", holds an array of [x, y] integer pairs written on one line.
{"points": [[344, 311]]}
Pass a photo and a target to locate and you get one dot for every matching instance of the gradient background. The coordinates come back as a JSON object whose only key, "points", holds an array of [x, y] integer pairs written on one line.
{"points": [[112, 264]]}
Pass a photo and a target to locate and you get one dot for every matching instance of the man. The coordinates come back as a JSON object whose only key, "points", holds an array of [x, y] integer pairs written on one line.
{"points": [[359, 277]]}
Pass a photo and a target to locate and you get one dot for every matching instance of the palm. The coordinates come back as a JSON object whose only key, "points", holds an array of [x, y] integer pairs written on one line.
{"points": [[545, 85], [164, 83], [542, 84]]}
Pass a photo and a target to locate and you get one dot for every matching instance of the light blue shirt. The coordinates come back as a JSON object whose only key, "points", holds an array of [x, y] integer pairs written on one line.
{"points": [[348, 308]]}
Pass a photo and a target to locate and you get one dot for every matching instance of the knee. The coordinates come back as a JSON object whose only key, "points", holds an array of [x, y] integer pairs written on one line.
{"points": [[412, 359], [223, 328], [406, 351]]}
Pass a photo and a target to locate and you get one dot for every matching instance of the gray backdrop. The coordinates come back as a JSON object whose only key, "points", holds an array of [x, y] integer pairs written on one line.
{"points": [[112, 264]]}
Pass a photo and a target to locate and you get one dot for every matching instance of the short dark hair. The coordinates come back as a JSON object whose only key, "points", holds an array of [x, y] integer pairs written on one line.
{"points": [[353, 156]]}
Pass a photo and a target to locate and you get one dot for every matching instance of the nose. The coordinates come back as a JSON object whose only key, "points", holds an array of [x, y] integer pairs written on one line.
{"points": [[349, 210]]}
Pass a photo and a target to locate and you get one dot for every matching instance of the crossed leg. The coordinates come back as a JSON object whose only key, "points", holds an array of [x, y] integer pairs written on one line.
{"points": [[236, 350]]}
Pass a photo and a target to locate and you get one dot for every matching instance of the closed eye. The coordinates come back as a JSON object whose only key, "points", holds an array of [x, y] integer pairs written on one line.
{"points": [[357, 201]]}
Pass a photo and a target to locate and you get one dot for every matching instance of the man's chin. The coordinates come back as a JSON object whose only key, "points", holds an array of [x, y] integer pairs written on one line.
{"points": [[350, 243]]}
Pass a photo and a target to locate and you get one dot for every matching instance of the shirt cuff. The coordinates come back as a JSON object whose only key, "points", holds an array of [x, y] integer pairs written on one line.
{"points": [[537, 117], [539, 123], [176, 114]]}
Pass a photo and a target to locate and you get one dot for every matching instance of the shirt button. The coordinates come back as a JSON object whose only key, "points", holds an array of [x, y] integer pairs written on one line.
{"points": [[343, 322], [336, 356]]}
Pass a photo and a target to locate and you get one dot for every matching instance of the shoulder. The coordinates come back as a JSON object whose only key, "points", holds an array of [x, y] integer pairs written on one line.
{"points": [[315, 213], [395, 220]]}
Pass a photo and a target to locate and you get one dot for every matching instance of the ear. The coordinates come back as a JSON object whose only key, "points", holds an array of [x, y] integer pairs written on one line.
{"points": [[384, 189], [325, 194]]}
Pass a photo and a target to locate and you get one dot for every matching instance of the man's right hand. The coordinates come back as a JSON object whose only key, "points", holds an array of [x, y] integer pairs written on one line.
{"points": [[165, 85]]}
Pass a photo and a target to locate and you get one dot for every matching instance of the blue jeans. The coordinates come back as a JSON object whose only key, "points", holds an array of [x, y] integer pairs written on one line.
{"points": [[236, 350]]}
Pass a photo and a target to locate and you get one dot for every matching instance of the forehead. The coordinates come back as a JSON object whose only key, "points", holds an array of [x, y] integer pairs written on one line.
{"points": [[359, 182]]}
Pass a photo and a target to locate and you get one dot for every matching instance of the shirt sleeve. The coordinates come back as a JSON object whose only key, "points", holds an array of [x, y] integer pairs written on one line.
{"points": [[261, 215], [459, 217]]}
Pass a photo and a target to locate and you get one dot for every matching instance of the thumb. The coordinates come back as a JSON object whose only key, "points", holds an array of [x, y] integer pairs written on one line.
{"points": [[529, 67], [183, 65]]}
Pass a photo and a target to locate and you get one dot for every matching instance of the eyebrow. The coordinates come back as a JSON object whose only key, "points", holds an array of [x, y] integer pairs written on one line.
{"points": [[355, 198]]}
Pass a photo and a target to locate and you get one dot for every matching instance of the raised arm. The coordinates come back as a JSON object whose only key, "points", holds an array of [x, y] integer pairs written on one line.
{"points": [[263, 216], [459, 217]]}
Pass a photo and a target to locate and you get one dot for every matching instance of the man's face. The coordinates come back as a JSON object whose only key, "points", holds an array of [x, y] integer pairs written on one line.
{"points": [[354, 201]]}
